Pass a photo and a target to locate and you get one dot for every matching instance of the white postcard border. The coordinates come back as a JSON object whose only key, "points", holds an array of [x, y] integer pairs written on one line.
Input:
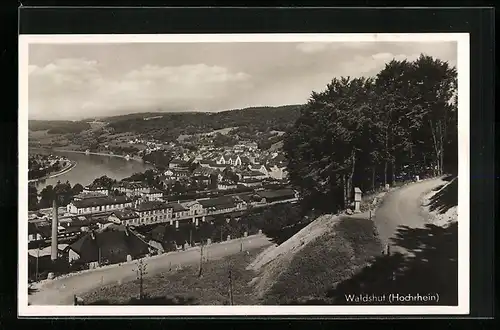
{"points": [[462, 40]]}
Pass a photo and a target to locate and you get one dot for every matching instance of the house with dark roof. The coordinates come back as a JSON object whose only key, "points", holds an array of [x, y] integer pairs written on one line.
{"points": [[178, 163], [88, 195], [251, 182], [253, 175], [33, 233], [178, 211], [221, 204], [271, 196], [125, 217], [99, 205], [113, 244], [206, 163], [226, 185]]}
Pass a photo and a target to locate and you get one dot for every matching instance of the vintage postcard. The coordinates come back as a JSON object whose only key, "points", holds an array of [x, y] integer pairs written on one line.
{"points": [[255, 174]]}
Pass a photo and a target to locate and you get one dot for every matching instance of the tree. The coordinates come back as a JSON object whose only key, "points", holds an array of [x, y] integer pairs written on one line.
{"points": [[32, 198], [64, 193], [436, 83], [395, 115], [323, 146], [104, 181], [229, 175], [77, 189], [400, 120], [46, 197]]}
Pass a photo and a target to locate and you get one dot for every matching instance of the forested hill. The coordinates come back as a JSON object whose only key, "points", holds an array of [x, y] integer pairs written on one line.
{"points": [[58, 126], [168, 126]]}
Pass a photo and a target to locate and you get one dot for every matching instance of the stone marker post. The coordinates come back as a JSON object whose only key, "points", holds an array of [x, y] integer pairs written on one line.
{"points": [[357, 200]]}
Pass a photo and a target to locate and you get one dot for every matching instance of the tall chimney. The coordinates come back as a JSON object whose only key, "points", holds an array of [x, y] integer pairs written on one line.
{"points": [[55, 225]]}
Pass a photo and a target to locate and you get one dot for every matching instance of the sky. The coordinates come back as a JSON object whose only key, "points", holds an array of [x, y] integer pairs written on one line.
{"points": [[81, 81]]}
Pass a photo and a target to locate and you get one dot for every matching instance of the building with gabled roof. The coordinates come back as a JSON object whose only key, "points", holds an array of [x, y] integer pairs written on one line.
{"points": [[113, 244], [152, 212], [221, 204], [98, 205], [271, 196]]}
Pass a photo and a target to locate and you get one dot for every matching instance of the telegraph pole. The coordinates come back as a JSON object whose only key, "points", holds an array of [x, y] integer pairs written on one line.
{"points": [[230, 288], [141, 271], [201, 259], [37, 257]]}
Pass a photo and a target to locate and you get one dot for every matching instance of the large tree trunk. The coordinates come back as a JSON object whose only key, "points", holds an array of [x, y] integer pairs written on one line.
{"points": [[393, 176], [350, 188], [385, 172], [386, 154], [441, 153], [373, 177], [344, 189], [436, 138]]}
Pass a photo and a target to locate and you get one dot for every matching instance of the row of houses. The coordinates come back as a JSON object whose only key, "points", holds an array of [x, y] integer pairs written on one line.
{"points": [[92, 213], [111, 238]]}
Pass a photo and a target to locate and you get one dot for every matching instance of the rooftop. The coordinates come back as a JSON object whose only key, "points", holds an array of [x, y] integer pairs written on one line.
{"points": [[177, 207], [219, 201], [45, 251], [89, 195], [92, 202], [276, 193], [150, 205], [125, 214]]}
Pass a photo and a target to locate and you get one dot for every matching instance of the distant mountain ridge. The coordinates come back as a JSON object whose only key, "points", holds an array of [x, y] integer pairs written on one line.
{"points": [[169, 125]]}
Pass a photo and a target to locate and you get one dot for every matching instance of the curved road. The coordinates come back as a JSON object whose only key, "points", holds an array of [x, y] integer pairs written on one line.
{"points": [[403, 207], [61, 290]]}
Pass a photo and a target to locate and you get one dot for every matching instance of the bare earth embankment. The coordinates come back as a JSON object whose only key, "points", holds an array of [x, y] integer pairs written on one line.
{"points": [[335, 254], [329, 250]]}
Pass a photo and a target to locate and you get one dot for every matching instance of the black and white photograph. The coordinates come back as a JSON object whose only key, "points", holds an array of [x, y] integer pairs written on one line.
{"points": [[279, 174]]}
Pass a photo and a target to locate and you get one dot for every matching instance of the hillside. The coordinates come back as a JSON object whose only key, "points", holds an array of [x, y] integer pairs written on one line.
{"points": [[329, 250], [58, 126], [441, 204], [171, 125]]}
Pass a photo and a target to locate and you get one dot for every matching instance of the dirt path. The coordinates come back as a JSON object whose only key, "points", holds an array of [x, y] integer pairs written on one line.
{"points": [[60, 291], [403, 207]]}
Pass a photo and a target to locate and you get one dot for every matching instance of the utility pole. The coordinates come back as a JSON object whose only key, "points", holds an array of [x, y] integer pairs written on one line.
{"points": [[37, 257], [141, 271], [230, 288], [201, 260]]}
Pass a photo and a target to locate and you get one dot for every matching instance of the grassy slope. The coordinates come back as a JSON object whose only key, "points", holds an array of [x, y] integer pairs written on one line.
{"points": [[185, 287], [334, 256]]}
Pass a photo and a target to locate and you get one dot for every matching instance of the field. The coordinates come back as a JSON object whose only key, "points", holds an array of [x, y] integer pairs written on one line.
{"points": [[184, 287], [44, 139]]}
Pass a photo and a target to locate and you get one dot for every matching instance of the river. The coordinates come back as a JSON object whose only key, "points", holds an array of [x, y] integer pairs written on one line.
{"points": [[89, 167]]}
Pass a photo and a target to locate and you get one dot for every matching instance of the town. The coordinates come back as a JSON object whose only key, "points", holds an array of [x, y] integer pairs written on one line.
{"points": [[197, 198], [40, 166]]}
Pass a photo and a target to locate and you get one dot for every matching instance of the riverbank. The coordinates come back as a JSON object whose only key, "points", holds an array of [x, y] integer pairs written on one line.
{"points": [[56, 174], [99, 154]]}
